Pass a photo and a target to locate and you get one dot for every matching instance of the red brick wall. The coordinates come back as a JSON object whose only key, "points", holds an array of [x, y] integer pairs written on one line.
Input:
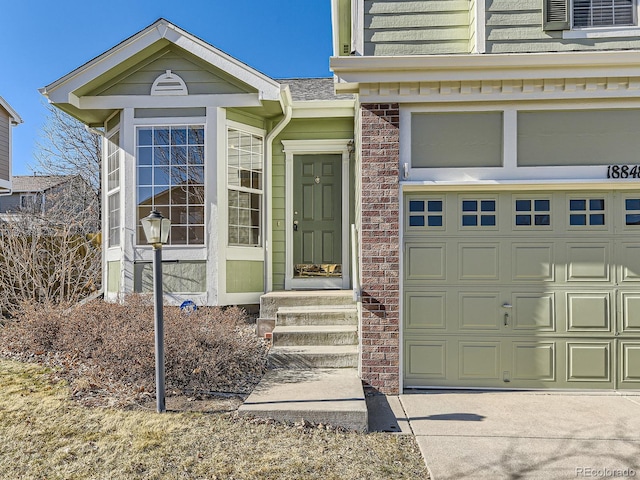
{"points": [[380, 247]]}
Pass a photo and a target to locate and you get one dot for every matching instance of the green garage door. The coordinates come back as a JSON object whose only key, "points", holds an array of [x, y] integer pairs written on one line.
{"points": [[522, 290]]}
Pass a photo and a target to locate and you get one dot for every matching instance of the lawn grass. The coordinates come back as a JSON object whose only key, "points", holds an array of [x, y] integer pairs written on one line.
{"points": [[44, 434]]}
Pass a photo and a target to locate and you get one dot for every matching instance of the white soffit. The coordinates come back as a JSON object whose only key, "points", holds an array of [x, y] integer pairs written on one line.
{"points": [[12, 113]]}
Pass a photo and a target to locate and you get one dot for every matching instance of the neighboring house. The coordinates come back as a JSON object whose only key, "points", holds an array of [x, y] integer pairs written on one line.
{"points": [[210, 143], [490, 169], [498, 152], [8, 119], [39, 193]]}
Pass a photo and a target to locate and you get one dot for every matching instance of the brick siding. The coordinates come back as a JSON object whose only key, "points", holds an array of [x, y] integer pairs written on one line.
{"points": [[380, 247]]}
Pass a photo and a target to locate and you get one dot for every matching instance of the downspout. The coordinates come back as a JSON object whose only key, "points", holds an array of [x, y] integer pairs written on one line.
{"points": [[286, 103]]}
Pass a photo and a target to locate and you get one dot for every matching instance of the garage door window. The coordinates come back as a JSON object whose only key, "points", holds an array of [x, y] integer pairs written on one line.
{"points": [[533, 212], [585, 212], [426, 213], [478, 213], [632, 211]]}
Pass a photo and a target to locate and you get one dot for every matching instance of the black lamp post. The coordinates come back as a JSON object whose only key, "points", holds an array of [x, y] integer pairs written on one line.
{"points": [[156, 229]]}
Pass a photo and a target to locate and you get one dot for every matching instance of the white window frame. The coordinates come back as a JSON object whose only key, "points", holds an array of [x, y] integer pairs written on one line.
{"points": [[245, 129], [167, 123], [115, 191], [605, 31]]}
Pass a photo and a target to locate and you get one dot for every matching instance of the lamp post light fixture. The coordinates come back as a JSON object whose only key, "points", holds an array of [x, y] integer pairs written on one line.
{"points": [[156, 229]]}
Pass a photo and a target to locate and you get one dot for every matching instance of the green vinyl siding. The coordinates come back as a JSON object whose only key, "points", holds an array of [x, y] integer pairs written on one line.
{"points": [[199, 77], [516, 26], [181, 277], [578, 137], [113, 277], [245, 276], [244, 118], [298, 129], [416, 28]]}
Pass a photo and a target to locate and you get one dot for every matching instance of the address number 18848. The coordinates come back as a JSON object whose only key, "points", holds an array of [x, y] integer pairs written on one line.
{"points": [[623, 171]]}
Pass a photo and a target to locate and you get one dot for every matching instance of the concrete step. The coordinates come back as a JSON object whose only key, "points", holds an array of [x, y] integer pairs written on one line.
{"points": [[315, 335], [272, 301], [317, 315], [328, 396], [313, 356]]}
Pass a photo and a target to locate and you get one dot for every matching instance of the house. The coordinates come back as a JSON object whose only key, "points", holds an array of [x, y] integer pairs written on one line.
{"points": [[36, 193], [499, 205], [484, 152], [8, 119], [229, 155]]}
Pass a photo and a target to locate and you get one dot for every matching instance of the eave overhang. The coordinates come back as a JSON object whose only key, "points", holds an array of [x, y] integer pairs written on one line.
{"points": [[489, 76], [66, 92], [14, 118], [324, 108]]}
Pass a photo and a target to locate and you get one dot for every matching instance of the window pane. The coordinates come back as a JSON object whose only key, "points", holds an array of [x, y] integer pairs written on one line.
{"points": [[435, 205], [145, 136], [416, 206], [596, 219], [633, 219], [578, 219], [416, 221], [161, 175], [144, 194], [596, 204], [178, 136], [161, 155], [469, 205], [469, 220], [577, 205], [435, 221], [195, 155], [487, 220], [196, 136], [145, 176], [488, 205], [178, 235], [542, 205], [523, 205], [543, 220], [178, 155], [523, 220], [145, 156], [196, 235], [632, 203], [161, 136]]}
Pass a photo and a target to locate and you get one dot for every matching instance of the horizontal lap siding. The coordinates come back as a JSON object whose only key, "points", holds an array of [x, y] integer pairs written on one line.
{"points": [[416, 28], [298, 129], [515, 26], [4, 145]]}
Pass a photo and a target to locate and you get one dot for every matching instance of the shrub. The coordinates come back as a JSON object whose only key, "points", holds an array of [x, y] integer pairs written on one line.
{"points": [[107, 346]]}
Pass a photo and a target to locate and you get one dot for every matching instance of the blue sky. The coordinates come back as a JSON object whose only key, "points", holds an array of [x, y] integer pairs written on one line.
{"points": [[44, 40]]}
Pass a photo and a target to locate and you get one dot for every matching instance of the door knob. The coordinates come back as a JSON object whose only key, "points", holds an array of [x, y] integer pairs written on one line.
{"points": [[295, 225]]}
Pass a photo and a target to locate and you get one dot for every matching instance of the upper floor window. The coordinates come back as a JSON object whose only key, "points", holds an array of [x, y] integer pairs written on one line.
{"points": [[603, 13], [170, 179], [581, 14]]}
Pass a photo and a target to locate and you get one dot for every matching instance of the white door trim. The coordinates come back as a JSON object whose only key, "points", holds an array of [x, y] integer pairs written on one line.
{"points": [[316, 147]]}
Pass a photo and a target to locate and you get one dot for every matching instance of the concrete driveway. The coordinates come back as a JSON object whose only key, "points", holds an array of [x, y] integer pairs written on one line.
{"points": [[520, 435]]}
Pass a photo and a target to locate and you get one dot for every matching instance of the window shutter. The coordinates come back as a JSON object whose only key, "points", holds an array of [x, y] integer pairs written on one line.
{"points": [[555, 15]]}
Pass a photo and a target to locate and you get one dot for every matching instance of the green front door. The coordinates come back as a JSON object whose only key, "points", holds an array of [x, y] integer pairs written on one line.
{"points": [[317, 217]]}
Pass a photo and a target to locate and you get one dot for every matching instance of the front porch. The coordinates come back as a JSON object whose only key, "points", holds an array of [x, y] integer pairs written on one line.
{"points": [[313, 361]]}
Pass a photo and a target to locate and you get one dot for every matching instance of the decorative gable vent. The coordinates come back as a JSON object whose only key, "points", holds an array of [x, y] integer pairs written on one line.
{"points": [[169, 84]]}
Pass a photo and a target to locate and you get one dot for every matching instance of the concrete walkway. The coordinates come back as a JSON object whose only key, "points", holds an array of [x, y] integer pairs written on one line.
{"points": [[518, 435]]}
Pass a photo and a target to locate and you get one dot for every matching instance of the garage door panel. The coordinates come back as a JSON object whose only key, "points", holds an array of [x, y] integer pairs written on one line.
{"points": [[629, 261], [424, 262], [479, 360], [630, 319], [426, 360], [532, 262], [588, 361], [534, 312], [534, 361], [480, 311], [425, 310], [588, 312], [630, 363], [478, 262], [588, 262]]}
